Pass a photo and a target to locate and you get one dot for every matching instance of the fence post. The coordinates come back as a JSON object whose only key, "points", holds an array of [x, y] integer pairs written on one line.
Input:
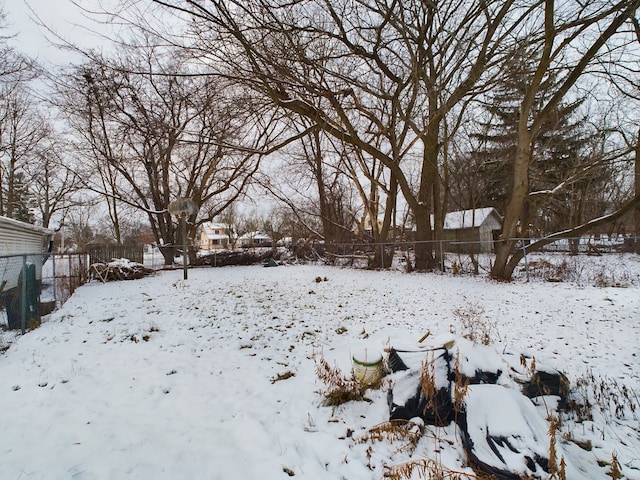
{"points": [[526, 263], [55, 286], [84, 264], [71, 277], [23, 300], [441, 254]]}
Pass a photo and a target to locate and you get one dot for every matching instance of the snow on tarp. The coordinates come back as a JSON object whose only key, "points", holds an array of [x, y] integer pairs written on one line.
{"points": [[504, 435], [407, 400]]}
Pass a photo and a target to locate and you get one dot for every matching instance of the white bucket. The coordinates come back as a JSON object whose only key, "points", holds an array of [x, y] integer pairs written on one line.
{"points": [[367, 367]]}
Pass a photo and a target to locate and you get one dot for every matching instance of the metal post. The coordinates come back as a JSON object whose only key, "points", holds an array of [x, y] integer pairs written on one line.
{"points": [[70, 272], [526, 263], [182, 208], [441, 253], [55, 298], [183, 219], [23, 303]]}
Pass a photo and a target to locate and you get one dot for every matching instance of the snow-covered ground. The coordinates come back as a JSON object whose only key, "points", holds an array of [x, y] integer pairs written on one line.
{"points": [[215, 377]]}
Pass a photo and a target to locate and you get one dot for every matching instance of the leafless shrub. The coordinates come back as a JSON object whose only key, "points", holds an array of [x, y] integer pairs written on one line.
{"points": [[474, 325], [338, 388], [611, 398], [409, 433], [427, 469]]}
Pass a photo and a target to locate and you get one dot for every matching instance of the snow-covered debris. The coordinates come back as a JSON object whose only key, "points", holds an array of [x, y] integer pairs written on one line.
{"points": [[118, 269], [503, 433]]}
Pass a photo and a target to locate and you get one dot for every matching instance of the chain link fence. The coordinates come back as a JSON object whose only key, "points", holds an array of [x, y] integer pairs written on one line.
{"points": [[597, 260], [33, 285]]}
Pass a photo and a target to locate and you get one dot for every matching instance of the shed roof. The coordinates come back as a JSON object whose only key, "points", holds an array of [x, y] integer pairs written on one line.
{"points": [[468, 218]]}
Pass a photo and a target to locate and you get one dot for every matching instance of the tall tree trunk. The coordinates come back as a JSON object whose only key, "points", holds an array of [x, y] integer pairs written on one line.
{"points": [[383, 256], [428, 198], [502, 268], [636, 185], [328, 227]]}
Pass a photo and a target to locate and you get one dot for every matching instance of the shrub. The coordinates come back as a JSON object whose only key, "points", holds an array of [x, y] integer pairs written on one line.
{"points": [[475, 326], [338, 388]]}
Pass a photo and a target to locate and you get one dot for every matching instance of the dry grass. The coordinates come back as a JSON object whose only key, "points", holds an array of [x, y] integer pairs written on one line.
{"points": [[428, 379], [409, 433], [474, 325], [427, 469], [460, 386], [556, 470], [614, 470], [611, 398], [338, 388]]}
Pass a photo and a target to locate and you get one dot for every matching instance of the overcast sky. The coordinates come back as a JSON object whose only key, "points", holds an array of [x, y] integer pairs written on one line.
{"points": [[62, 16]]}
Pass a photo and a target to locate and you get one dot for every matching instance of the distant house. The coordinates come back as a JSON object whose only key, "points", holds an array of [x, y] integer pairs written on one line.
{"points": [[255, 239], [471, 230], [213, 236]]}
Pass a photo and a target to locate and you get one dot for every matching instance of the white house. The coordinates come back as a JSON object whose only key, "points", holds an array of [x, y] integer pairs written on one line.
{"points": [[213, 236], [255, 239]]}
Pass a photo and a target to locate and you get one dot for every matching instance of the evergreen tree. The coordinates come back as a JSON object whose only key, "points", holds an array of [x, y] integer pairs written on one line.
{"points": [[19, 200], [561, 151]]}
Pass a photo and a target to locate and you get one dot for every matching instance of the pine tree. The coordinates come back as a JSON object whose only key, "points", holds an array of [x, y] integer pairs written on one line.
{"points": [[18, 200], [559, 154]]}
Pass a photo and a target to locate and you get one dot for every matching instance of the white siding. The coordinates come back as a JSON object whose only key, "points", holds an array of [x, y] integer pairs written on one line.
{"points": [[18, 238]]}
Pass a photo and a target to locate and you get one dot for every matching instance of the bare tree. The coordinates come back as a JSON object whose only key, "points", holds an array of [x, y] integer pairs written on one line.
{"points": [[33, 179], [53, 182], [158, 135], [378, 76], [564, 28], [15, 69], [626, 82], [393, 80], [77, 230]]}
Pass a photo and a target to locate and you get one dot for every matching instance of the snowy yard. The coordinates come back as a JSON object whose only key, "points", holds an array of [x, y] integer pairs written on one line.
{"points": [[215, 377]]}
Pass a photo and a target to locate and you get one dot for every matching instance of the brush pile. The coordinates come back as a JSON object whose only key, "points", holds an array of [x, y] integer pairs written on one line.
{"points": [[118, 269], [225, 258]]}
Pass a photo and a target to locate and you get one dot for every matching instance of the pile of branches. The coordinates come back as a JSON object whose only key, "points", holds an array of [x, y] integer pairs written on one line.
{"points": [[236, 257], [121, 269]]}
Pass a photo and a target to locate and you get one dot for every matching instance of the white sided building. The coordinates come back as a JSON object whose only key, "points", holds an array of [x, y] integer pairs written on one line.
{"points": [[213, 236], [21, 243]]}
